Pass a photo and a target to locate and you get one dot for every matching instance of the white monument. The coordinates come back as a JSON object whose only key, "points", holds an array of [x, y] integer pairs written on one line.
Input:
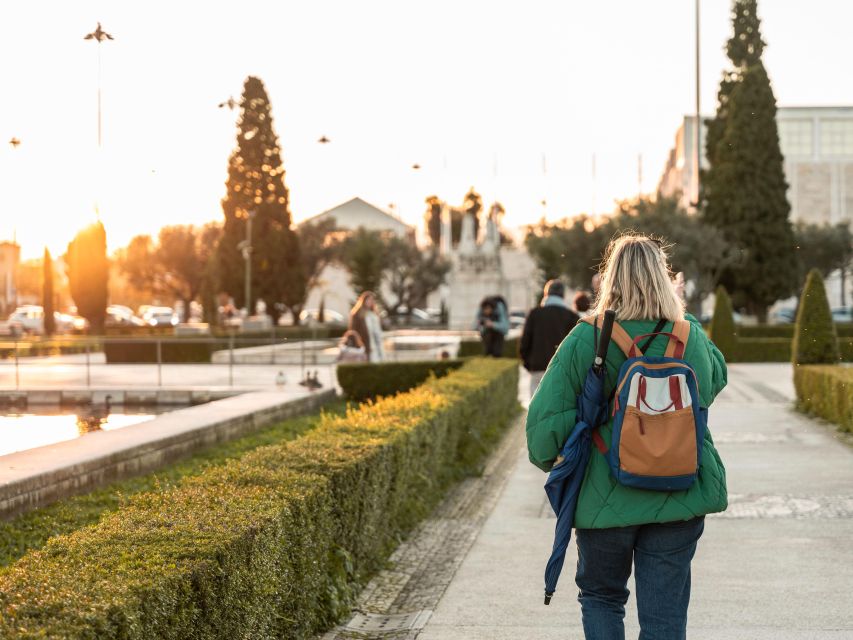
{"points": [[476, 270]]}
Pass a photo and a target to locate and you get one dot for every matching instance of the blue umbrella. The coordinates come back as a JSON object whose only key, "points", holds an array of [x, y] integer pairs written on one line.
{"points": [[564, 481]]}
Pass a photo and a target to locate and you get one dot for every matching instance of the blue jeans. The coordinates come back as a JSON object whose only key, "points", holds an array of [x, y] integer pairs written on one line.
{"points": [[661, 554]]}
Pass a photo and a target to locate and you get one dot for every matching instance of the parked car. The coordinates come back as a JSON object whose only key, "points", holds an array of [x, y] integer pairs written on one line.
{"points": [[312, 316], [415, 318], [787, 315], [842, 314], [517, 318], [120, 316], [11, 328], [158, 316], [30, 319]]}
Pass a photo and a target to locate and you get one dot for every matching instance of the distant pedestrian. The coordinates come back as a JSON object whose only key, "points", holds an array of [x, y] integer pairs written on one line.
{"points": [[351, 348], [493, 325], [620, 527], [544, 330], [364, 320], [582, 303]]}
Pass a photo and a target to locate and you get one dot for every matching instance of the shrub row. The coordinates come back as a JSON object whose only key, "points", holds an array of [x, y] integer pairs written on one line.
{"points": [[272, 544], [826, 391], [468, 348], [844, 330], [775, 350], [191, 351], [364, 381], [46, 348]]}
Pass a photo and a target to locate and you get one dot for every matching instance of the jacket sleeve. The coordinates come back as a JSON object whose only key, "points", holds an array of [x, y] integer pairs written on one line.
{"points": [[707, 361], [502, 324], [553, 410], [526, 342]]}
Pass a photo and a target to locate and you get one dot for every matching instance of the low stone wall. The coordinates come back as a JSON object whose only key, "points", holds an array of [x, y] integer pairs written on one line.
{"points": [[129, 397], [33, 478]]}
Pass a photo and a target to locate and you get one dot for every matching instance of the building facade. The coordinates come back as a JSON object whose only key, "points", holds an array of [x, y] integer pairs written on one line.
{"points": [[817, 143]]}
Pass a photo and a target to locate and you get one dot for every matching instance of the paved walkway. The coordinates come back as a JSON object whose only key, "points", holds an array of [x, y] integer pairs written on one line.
{"points": [[777, 565]]}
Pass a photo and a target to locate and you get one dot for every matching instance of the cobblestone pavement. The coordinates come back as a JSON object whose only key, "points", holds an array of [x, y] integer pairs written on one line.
{"points": [[399, 601]]}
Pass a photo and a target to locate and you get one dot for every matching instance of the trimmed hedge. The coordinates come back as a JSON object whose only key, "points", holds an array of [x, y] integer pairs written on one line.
{"points": [[272, 544], [192, 351], [33, 529], [776, 350], [826, 391], [364, 381], [469, 348]]}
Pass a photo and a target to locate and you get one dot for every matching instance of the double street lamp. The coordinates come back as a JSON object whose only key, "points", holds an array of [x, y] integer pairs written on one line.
{"points": [[245, 248]]}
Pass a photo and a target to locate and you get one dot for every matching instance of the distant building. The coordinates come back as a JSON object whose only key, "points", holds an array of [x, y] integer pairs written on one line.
{"points": [[334, 291], [356, 213], [10, 258], [817, 143]]}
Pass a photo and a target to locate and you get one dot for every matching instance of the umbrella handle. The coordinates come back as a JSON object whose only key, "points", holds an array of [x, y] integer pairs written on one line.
{"points": [[604, 340]]}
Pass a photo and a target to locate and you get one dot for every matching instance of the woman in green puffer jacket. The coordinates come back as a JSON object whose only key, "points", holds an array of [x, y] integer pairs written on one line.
{"points": [[615, 524]]}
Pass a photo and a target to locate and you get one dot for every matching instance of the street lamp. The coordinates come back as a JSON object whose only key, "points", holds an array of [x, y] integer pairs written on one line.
{"points": [[245, 248], [99, 35], [14, 142]]}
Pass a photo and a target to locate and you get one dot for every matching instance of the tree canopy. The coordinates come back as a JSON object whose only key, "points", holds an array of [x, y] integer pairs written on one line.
{"points": [[88, 274], [255, 187]]}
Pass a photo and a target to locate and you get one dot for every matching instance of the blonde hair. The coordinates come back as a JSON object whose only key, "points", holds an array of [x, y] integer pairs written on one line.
{"points": [[636, 281], [359, 304]]}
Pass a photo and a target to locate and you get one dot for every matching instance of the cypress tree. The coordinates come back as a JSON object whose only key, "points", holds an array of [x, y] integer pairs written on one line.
{"points": [[744, 49], [47, 294], [815, 340], [746, 197], [722, 330], [88, 274], [256, 184]]}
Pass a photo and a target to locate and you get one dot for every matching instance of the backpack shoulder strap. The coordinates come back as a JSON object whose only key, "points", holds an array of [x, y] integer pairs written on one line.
{"points": [[619, 335], [678, 342]]}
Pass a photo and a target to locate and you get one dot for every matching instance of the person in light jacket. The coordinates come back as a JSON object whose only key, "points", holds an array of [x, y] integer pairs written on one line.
{"points": [[364, 320], [618, 527], [493, 325]]}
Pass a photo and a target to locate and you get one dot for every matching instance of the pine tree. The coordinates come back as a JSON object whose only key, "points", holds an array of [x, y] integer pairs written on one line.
{"points": [[88, 273], [723, 331], [255, 186], [744, 49], [746, 197], [47, 294], [815, 340]]}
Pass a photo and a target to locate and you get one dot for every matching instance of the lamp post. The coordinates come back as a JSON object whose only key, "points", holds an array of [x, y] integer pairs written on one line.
{"points": [[246, 249], [99, 35], [698, 134]]}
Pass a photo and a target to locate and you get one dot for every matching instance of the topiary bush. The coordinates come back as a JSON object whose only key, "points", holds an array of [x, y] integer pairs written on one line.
{"points": [[722, 331], [815, 340], [272, 544], [826, 391], [364, 381]]}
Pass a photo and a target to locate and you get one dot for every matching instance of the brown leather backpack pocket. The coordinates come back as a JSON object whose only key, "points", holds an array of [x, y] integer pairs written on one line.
{"points": [[661, 444]]}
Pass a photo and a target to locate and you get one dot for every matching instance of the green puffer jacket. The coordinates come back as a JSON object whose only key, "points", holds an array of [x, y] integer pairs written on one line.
{"points": [[551, 417]]}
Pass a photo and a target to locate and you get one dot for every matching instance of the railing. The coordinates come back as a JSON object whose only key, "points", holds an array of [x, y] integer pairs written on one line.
{"points": [[129, 357]]}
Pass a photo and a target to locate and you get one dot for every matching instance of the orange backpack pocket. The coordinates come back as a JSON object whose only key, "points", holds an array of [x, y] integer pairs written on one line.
{"points": [[658, 444]]}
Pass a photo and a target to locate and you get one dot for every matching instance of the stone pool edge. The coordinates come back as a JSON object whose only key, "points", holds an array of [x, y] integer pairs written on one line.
{"points": [[37, 477]]}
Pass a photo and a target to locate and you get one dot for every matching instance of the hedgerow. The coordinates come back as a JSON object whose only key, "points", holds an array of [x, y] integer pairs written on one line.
{"points": [[272, 544], [826, 391], [366, 381], [32, 530]]}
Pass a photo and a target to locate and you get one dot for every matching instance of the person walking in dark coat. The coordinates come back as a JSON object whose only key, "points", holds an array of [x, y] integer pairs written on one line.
{"points": [[544, 330]]}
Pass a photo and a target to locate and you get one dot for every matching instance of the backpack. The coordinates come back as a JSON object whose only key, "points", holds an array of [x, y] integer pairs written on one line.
{"points": [[658, 423]]}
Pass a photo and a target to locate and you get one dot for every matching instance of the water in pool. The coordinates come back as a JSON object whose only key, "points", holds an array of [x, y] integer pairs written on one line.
{"points": [[36, 427]]}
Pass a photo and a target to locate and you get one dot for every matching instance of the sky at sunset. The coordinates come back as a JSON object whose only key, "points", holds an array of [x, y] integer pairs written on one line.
{"points": [[476, 92]]}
